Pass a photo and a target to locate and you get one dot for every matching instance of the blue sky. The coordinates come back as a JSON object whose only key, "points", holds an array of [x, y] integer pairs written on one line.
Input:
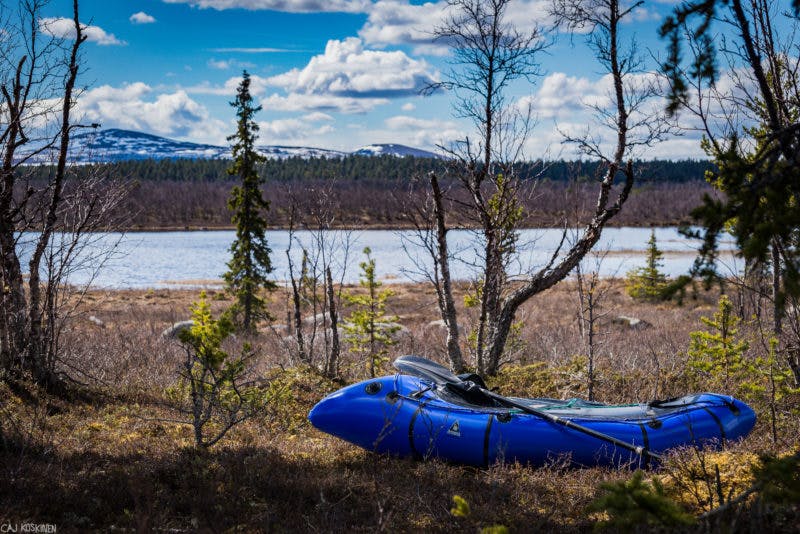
{"points": [[336, 74]]}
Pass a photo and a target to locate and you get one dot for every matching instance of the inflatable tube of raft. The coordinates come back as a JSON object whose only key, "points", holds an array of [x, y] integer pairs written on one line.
{"points": [[411, 417]]}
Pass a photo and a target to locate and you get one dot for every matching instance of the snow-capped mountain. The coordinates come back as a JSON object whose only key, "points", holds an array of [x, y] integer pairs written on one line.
{"points": [[394, 150], [124, 145]]}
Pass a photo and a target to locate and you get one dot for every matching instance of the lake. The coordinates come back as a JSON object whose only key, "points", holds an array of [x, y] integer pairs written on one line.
{"points": [[198, 258]]}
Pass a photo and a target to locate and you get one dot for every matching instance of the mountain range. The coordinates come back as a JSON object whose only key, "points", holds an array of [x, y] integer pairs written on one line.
{"points": [[113, 145]]}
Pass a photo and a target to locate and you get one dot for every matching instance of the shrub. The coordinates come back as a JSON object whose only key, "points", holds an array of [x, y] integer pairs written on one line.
{"points": [[648, 282], [717, 354], [636, 504], [213, 388], [368, 329]]}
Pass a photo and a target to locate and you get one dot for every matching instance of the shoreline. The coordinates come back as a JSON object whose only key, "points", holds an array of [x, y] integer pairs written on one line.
{"points": [[352, 228]]}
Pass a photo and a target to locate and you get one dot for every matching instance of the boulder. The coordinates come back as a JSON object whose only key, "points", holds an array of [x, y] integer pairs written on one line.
{"points": [[399, 330], [96, 321], [173, 331], [631, 322], [319, 319], [439, 325]]}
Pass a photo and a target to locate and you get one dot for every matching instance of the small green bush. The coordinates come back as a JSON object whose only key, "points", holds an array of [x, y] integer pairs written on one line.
{"points": [[638, 505], [212, 389], [648, 282], [368, 329]]}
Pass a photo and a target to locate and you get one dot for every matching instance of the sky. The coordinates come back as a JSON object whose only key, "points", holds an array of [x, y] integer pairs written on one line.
{"points": [[336, 74]]}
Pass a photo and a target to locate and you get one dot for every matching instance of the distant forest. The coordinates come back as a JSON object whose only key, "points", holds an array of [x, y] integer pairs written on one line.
{"points": [[376, 169], [382, 192]]}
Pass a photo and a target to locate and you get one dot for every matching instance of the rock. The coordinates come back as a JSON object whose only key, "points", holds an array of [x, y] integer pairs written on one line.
{"points": [[631, 322], [439, 325], [399, 330], [96, 321], [173, 331], [319, 319]]}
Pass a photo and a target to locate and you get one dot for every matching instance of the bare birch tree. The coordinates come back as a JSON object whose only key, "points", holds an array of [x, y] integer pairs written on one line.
{"points": [[41, 223], [312, 285], [428, 243], [490, 54]]}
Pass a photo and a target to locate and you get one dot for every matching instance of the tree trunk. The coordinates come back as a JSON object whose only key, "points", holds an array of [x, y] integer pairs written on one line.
{"points": [[37, 345], [13, 286], [447, 304], [331, 368], [14, 305], [777, 295], [298, 321]]}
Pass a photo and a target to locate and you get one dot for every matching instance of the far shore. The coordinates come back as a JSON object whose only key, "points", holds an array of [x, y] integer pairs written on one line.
{"points": [[366, 226]]}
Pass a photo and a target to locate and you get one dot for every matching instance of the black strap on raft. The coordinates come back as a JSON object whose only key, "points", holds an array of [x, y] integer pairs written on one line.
{"points": [[438, 374]]}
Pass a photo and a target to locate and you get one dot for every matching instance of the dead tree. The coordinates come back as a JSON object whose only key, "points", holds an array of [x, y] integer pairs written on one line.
{"points": [[490, 53], [296, 317], [313, 291], [592, 293], [444, 291], [430, 237], [43, 222], [331, 366]]}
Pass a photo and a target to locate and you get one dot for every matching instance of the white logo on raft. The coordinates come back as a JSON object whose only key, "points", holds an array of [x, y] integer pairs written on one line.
{"points": [[455, 430]]}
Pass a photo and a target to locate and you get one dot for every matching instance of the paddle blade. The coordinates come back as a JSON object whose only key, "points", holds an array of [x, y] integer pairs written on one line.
{"points": [[426, 369]]}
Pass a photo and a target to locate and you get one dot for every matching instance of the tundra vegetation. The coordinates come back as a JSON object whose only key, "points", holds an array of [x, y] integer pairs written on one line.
{"points": [[107, 423]]}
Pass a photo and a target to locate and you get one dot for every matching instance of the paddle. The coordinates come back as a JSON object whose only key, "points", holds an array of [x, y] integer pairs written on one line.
{"points": [[440, 375]]}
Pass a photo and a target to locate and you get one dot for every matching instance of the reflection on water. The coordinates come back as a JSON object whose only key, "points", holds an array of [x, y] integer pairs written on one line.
{"points": [[180, 259]]}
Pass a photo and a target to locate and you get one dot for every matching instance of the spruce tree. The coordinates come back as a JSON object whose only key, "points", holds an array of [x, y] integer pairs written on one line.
{"points": [[648, 282], [368, 329], [250, 263]]}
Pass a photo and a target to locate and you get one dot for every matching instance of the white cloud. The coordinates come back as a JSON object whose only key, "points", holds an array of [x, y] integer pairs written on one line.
{"points": [[584, 108], [398, 22], [291, 6], [65, 28], [317, 116], [239, 50], [346, 78], [561, 96], [347, 69], [423, 133], [331, 103], [142, 18], [408, 106], [643, 14], [136, 107], [293, 129], [226, 64], [221, 64], [393, 22]]}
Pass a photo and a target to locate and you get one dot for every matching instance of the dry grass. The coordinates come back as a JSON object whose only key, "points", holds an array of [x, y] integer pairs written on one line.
{"points": [[110, 458]]}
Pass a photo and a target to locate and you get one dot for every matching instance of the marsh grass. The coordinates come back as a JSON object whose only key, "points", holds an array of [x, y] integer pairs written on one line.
{"points": [[113, 456]]}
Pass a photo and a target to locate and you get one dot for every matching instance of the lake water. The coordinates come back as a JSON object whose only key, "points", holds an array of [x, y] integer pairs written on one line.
{"points": [[198, 258]]}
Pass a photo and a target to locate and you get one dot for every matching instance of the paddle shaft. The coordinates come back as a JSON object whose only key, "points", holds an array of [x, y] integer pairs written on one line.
{"points": [[641, 451]]}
